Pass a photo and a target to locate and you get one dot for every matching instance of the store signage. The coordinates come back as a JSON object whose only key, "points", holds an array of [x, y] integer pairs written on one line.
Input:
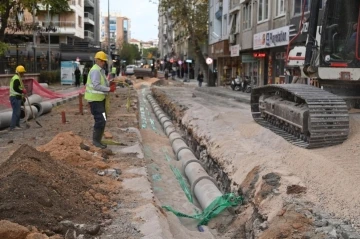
{"points": [[209, 61], [273, 38], [259, 54], [234, 50], [189, 61], [180, 62]]}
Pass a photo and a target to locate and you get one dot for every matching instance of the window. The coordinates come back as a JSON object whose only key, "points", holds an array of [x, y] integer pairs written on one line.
{"points": [[298, 6], [263, 10], [280, 7], [225, 23], [247, 16], [79, 21]]}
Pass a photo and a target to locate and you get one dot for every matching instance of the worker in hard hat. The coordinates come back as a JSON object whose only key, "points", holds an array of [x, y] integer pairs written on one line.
{"points": [[17, 90], [97, 87]]}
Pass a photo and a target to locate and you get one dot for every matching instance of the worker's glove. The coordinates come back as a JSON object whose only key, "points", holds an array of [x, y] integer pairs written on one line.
{"points": [[24, 91], [112, 88]]}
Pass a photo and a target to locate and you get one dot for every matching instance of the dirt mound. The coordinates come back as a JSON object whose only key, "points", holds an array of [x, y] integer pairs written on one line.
{"points": [[66, 147], [37, 190]]}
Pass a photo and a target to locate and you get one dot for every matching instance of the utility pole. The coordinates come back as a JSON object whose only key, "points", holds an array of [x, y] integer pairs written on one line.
{"points": [[34, 39], [109, 51], [48, 11]]}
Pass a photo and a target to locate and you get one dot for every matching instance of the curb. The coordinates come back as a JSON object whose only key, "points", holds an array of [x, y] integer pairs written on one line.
{"points": [[63, 101]]}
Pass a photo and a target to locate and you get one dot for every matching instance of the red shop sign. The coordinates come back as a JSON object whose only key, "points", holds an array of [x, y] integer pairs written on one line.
{"points": [[259, 55]]}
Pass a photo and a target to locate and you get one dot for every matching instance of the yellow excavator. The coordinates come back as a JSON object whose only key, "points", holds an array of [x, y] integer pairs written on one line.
{"points": [[317, 116]]}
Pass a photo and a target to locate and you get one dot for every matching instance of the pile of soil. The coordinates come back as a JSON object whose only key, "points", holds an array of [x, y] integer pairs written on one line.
{"points": [[37, 190]]}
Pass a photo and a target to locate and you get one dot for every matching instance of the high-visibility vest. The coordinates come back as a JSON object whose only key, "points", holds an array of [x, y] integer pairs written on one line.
{"points": [[13, 79], [113, 70], [90, 93]]}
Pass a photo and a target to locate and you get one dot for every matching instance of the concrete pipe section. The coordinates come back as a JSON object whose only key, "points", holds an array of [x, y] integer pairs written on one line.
{"points": [[33, 99], [203, 187], [5, 119], [26, 112], [43, 107]]}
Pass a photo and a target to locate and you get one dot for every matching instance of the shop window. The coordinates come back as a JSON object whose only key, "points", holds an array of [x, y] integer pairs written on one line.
{"points": [[263, 10], [280, 7], [247, 16]]}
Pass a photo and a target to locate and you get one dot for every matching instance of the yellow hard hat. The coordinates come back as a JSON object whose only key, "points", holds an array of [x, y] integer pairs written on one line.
{"points": [[101, 56], [20, 69]]}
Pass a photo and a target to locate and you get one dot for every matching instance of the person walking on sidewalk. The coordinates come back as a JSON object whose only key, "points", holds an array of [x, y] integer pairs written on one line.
{"points": [[17, 90], [85, 74], [97, 87], [77, 77], [200, 78]]}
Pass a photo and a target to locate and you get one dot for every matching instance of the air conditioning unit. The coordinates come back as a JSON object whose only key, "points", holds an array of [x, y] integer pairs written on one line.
{"points": [[232, 38]]}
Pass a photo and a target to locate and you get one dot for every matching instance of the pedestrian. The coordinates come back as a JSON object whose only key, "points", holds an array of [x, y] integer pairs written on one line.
{"points": [[17, 92], [200, 78], [77, 76], [85, 74], [113, 72], [166, 73], [97, 88]]}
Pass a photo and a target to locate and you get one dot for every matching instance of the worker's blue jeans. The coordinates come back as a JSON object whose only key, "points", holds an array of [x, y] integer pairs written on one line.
{"points": [[16, 107], [98, 111]]}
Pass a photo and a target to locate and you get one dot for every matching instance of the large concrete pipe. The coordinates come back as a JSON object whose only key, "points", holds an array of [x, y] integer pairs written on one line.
{"points": [[33, 99], [26, 112], [203, 187], [44, 85], [5, 119], [43, 107]]}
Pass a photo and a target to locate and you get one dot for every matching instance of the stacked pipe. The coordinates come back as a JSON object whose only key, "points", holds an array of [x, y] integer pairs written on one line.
{"points": [[38, 107], [203, 187]]}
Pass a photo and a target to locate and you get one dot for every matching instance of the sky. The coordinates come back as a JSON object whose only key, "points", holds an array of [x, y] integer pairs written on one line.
{"points": [[142, 13]]}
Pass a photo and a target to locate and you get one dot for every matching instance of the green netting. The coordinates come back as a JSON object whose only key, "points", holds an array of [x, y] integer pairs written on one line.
{"points": [[215, 208], [182, 183]]}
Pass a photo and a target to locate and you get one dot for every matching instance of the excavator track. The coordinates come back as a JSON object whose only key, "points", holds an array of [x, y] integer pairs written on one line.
{"points": [[328, 122]]}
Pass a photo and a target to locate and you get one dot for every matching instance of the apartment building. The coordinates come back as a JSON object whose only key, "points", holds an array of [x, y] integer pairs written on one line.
{"points": [[259, 32], [120, 29], [79, 24]]}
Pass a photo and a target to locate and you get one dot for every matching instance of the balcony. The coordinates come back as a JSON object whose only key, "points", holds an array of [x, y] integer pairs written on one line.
{"points": [[89, 3], [89, 18], [234, 3], [62, 27], [89, 35]]}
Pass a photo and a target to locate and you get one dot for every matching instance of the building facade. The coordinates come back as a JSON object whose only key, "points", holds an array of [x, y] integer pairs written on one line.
{"points": [[31, 48], [259, 32], [120, 29]]}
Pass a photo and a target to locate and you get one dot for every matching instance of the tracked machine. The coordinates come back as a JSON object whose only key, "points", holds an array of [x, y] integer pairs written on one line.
{"points": [[309, 116]]}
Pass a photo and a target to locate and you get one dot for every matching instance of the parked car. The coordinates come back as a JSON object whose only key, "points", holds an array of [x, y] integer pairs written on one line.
{"points": [[129, 70]]}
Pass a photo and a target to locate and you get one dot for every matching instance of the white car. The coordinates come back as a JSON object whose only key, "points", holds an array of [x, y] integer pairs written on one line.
{"points": [[129, 70]]}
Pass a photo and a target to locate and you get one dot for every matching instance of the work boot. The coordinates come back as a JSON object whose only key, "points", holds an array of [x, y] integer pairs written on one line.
{"points": [[97, 135]]}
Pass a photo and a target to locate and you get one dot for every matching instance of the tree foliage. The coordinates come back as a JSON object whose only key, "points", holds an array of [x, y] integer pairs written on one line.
{"points": [[192, 16], [3, 48], [129, 52], [150, 52], [9, 9]]}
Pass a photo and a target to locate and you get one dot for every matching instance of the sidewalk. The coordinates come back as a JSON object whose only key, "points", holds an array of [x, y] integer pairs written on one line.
{"points": [[227, 93], [218, 91]]}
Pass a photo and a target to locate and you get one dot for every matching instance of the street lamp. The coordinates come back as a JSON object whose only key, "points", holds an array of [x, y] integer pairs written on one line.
{"points": [[34, 38]]}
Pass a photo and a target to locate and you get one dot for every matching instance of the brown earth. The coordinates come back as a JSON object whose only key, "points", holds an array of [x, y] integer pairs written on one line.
{"points": [[49, 175]]}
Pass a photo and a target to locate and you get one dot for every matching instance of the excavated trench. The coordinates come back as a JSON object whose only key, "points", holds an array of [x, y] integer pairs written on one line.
{"points": [[295, 219]]}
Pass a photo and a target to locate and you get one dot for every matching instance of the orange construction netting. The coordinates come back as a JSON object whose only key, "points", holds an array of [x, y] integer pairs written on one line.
{"points": [[39, 90]]}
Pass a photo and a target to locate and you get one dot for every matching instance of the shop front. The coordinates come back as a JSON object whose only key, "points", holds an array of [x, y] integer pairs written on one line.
{"points": [[220, 53], [235, 63], [273, 44]]}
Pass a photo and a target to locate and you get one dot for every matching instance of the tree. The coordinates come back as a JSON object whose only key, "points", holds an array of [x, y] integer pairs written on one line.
{"points": [[150, 52], [193, 16], [9, 9], [129, 52]]}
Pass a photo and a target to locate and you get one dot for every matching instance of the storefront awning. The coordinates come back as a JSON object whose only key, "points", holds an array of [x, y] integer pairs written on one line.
{"points": [[72, 56]]}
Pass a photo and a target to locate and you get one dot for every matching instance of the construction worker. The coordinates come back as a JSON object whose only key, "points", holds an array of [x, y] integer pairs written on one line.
{"points": [[113, 71], [97, 87], [17, 90]]}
